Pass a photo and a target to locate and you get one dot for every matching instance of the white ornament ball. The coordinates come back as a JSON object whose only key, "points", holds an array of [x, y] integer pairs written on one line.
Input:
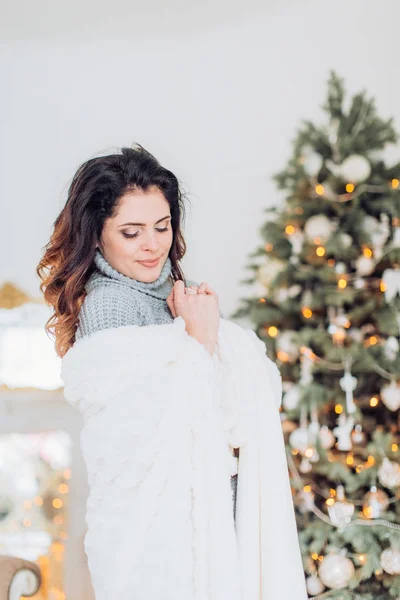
{"points": [[340, 268], [336, 571], [389, 473], [314, 585], [291, 398], [345, 240], [390, 561], [319, 226], [311, 160], [305, 465], [391, 349], [355, 168], [299, 439], [268, 271], [326, 437], [364, 265], [375, 503], [390, 394]]}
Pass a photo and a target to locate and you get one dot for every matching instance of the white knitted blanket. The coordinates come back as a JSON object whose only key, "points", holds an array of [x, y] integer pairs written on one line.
{"points": [[160, 418]]}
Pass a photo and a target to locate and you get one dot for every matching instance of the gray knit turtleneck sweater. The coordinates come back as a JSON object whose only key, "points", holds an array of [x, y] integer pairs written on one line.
{"points": [[114, 299]]}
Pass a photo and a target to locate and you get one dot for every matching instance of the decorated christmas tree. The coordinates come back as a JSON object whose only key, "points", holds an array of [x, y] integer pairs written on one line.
{"points": [[325, 299]]}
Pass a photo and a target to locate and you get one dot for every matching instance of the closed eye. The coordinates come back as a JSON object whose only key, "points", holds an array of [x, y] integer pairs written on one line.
{"points": [[133, 235]]}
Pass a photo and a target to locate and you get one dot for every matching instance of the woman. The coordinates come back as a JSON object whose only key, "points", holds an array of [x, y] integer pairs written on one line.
{"points": [[169, 391]]}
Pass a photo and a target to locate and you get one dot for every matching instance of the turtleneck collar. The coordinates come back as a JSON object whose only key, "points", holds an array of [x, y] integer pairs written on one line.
{"points": [[160, 288]]}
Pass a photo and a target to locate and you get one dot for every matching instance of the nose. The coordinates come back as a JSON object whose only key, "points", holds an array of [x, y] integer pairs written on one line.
{"points": [[151, 242]]}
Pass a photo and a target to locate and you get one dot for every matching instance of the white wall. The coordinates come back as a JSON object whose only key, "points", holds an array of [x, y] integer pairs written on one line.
{"points": [[215, 96]]}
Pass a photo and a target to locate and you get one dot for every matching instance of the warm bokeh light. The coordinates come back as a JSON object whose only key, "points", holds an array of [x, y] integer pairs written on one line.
{"points": [[367, 252], [338, 409], [272, 331], [395, 183], [289, 229], [373, 401], [319, 189], [349, 188], [342, 283], [320, 251]]}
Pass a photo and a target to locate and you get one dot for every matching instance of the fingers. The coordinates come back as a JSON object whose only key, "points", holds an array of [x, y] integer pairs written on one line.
{"points": [[171, 303], [204, 288]]}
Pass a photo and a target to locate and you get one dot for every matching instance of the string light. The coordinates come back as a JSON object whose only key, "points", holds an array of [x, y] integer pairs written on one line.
{"points": [[373, 401], [268, 247], [367, 252], [395, 183], [262, 300], [342, 283], [394, 447], [57, 503], [383, 286], [349, 188], [319, 189], [338, 409], [320, 251], [306, 312], [289, 229], [272, 331]]}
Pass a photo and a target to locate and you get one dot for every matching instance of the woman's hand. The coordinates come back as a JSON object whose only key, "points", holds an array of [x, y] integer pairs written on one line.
{"points": [[200, 311]]}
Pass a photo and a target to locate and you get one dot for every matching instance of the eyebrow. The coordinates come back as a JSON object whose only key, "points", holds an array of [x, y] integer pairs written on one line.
{"points": [[144, 224]]}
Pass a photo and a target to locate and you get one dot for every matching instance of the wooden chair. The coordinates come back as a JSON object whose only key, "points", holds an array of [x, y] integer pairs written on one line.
{"points": [[18, 577]]}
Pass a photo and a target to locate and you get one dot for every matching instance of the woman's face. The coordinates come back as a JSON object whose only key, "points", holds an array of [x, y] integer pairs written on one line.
{"points": [[140, 231]]}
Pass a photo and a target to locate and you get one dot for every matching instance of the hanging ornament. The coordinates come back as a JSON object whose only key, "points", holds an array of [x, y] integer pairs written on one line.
{"points": [[269, 270], [298, 439], [288, 344], [336, 571], [390, 394], [391, 348], [341, 511], [359, 283], [357, 435], [345, 240], [375, 503], [333, 131], [311, 160], [307, 364], [390, 561], [326, 437], [314, 585], [354, 168], [291, 397], [296, 240], [319, 226], [389, 473], [396, 238], [343, 432], [365, 265], [340, 268], [305, 465], [348, 383], [378, 232], [304, 500], [391, 280]]}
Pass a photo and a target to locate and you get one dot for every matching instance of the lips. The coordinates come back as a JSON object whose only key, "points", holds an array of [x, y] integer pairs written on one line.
{"points": [[148, 263]]}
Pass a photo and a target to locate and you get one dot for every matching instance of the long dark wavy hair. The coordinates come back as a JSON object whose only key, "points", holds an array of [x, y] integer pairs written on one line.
{"points": [[93, 197]]}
